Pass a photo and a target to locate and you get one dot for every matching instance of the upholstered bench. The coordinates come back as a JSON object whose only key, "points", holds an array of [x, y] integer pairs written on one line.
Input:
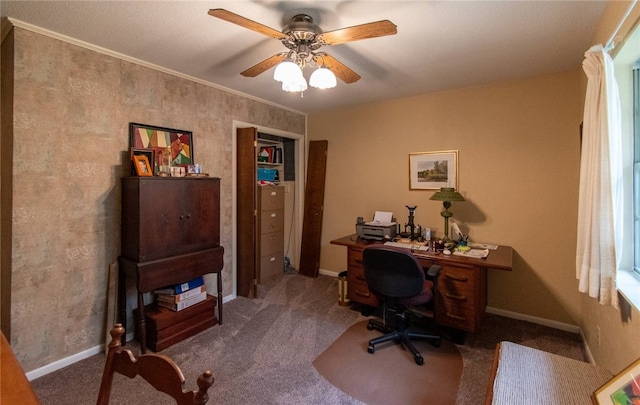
{"points": [[521, 374]]}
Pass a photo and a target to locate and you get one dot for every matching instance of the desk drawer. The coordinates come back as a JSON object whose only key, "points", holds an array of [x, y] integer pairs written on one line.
{"points": [[355, 257], [358, 291], [356, 273], [457, 317], [457, 287]]}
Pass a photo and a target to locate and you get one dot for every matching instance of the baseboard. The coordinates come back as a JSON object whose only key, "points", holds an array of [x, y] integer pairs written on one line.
{"points": [[62, 363], [67, 361], [534, 319], [328, 273]]}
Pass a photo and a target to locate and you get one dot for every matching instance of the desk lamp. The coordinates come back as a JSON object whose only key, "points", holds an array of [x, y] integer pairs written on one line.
{"points": [[447, 195]]}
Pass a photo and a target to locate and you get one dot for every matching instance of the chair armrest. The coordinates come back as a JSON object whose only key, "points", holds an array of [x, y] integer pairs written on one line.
{"points": [[433, 271]]}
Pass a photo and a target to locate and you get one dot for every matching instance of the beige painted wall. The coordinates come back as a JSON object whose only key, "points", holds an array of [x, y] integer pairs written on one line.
{"points": [[518, 166], [71, 114], [612, 334]]}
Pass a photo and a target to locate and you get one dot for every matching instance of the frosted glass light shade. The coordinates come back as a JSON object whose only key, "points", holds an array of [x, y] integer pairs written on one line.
{"points": [[286, 70], [297, 84], [323, 78]]}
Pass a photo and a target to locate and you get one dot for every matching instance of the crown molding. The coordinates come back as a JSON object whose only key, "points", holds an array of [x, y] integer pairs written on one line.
{"points": [[12, 22]]}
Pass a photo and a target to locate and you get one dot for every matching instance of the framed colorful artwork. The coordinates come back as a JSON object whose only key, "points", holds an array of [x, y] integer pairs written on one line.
{"points": [[433, 170], [622, 389], [178, 142]]}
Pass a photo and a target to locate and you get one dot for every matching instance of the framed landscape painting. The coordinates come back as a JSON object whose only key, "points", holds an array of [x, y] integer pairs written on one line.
{"points": [[433, 170]]}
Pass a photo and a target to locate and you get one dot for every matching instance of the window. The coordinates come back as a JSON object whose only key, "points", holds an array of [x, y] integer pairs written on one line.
{"points": [[635, 130], [627, 71]]}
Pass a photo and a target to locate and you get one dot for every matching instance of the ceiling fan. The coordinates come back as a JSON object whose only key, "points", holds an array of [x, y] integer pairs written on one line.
{"points": [[303, 38]]}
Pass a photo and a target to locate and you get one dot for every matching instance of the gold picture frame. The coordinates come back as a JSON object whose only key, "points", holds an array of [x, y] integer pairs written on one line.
{"points": [[143, 168], [621, 388], [433, 170]]}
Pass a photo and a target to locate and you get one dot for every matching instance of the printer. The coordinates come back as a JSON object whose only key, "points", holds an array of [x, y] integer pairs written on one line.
{"points": [[382, 227]]}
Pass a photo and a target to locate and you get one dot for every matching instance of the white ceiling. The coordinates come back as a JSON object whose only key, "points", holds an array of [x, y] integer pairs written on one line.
{"points": [[440, 44]]}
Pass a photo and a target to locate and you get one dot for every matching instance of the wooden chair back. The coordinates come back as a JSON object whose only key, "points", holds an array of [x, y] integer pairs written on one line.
{"points": [[158, 370]]}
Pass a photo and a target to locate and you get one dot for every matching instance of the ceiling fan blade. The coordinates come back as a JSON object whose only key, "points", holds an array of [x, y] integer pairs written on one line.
{"points": [[266, 64], [341, 71], [245, 22], [358, 32]]}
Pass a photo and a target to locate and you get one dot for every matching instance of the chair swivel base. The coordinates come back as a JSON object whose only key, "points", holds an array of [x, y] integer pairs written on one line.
{"points": [[402, 335]]}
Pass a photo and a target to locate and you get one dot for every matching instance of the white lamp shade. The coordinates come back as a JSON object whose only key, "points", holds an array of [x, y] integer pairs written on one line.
{"points": [[323, 78], [286, 71], [295, 85]]}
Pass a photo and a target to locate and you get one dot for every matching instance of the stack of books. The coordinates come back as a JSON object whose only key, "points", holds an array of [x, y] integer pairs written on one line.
{"points": [[182, 296]]}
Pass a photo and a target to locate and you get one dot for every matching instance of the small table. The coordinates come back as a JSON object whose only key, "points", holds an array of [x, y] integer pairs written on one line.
{"points": [[155, 274], [461, 297]]}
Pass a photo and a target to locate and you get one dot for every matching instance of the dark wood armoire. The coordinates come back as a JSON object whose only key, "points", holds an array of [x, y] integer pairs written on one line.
{"points": [[170, 235]]}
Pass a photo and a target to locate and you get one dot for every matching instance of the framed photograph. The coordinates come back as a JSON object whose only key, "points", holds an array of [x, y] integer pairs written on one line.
{"points": [[433, 170], [141, 163], [177, 141], [149, 153], [622, 389]]}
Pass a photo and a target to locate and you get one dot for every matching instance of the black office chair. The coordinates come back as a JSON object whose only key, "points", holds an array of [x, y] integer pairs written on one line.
{"points": [[396, 277]]}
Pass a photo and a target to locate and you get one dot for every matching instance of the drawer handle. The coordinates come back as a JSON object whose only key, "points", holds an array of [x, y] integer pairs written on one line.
{"points": [[273, 215], [273, 259], [458, 317], [358, 260], [456, 297], [274, 193], [463, 279], [358, 292], [358, 277]]}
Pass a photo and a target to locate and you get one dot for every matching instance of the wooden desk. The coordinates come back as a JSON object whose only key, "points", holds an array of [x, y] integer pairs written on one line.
{"points": [[461, 297], [14, 386]]}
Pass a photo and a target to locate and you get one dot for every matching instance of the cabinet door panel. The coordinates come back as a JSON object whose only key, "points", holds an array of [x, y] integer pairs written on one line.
{"points": [[169, 216], [199, 214]]}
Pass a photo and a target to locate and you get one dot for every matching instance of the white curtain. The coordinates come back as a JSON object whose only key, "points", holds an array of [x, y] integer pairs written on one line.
{"points": [[600, 194]]}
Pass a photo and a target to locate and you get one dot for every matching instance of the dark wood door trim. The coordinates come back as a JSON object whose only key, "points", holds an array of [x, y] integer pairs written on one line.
{"points": [[246, 206], [313, 209]]}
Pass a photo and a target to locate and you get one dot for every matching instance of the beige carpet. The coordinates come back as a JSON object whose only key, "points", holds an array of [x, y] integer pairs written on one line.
{"points": [[390, 375]]}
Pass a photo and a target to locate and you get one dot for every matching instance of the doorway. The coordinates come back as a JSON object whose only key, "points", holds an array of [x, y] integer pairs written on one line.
{"points": [[294, 195]]}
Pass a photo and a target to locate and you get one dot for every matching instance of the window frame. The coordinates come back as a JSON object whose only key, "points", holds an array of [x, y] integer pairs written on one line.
{"points": [[628, 275]]}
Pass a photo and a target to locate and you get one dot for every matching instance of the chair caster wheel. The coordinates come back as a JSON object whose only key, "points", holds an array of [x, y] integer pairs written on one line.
{"points": [[371, 349], [369, 326], [419, 360]]}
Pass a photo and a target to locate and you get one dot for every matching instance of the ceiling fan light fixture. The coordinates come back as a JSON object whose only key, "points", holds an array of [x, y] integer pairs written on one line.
{"points": [[295, 85], [286, 70], [323, 78]]}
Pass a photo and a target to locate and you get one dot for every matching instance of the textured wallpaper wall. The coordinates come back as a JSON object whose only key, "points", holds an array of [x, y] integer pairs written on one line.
{"points": [[72, 107]]}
